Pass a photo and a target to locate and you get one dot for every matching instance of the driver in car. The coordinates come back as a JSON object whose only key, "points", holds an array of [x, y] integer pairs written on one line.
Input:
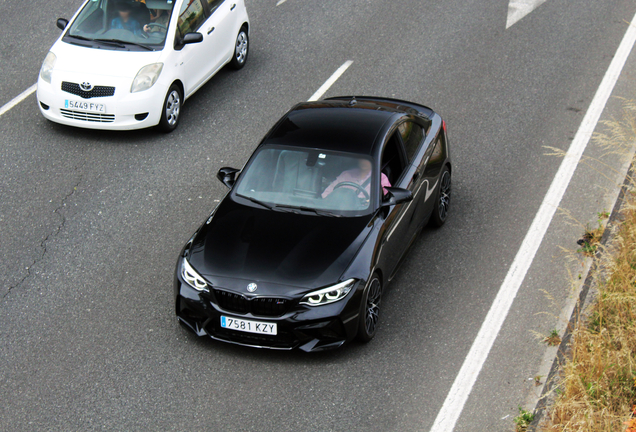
{"points": [[161, 20], [125, 20], [361, 176]]}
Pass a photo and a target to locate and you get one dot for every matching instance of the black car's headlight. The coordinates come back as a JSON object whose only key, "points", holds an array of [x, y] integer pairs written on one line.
{"points": [[328, 295], [192, 278]]}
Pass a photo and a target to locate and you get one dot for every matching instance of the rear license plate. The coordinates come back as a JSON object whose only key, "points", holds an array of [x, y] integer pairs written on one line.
{"points": [[248, 326], [85, 106]]}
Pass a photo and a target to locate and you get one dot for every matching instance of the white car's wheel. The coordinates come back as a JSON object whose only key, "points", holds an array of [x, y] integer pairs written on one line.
{"points": [[241, 49], [171, 110]]}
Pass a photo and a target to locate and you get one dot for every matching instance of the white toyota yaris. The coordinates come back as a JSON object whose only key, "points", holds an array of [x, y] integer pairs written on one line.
{"points": [[125, 64]]}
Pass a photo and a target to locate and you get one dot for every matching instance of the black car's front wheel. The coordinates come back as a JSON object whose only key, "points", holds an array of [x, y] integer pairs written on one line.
{"points": [[370, 310], [442, 202]]}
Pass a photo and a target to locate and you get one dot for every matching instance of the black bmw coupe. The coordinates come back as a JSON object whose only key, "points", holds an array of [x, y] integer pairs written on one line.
{"points": [[313, 228]]}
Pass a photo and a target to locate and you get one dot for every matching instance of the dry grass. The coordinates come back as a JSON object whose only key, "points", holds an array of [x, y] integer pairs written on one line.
{"points": [[597, 391]]}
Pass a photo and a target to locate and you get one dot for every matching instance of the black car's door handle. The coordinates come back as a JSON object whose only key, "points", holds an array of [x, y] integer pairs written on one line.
{"points": [[233, 6], [416, 175], [211, 30]]}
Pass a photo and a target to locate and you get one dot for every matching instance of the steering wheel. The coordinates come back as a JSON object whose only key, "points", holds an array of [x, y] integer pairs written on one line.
{"points": [[355, 185], [158, 25]]}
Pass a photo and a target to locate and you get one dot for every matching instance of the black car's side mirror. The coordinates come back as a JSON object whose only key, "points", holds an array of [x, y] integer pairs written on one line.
{"points": [[396, 196], [227, 176], [62, 23], [191, 38]]}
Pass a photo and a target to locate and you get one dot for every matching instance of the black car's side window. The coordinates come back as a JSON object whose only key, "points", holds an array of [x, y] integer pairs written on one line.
{"points": [[392, 160], [412, 136], [436, 160]]}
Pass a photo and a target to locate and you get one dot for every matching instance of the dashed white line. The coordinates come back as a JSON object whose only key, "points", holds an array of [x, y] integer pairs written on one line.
{"points": [[332, 79], [462, 387], [517, 9], [16, 100]]}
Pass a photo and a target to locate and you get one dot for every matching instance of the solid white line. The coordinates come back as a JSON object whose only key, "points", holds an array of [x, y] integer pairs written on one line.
{"points": [[459, 392], [332, 79], [280, 2], [19, 98]]}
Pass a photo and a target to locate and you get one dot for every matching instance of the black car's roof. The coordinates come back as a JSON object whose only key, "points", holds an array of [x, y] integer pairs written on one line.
{"points": [[335, 125]]}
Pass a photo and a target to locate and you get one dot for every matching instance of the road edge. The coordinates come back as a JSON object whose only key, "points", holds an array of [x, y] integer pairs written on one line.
{"points": [[594, 268]]}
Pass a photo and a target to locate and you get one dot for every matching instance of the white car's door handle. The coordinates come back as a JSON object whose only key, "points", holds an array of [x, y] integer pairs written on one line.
{"points": [[232, 7], [210, 30]]}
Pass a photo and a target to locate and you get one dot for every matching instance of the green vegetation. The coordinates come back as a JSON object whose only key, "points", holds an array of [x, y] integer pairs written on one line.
{"points": [[523, 420], [597, 388]]}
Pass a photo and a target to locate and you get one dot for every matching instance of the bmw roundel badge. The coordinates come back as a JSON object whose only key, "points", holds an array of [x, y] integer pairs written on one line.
{"points": [[252, 287]]}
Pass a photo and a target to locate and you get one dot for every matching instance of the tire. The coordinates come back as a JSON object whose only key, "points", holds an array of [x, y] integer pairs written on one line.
{"points": [[171, 110], [442, 201], [241, 49], [370, 310]]}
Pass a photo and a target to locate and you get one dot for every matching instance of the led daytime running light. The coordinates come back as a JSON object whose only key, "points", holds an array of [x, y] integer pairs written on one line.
{"points": [[193, 278], [328, 295]]}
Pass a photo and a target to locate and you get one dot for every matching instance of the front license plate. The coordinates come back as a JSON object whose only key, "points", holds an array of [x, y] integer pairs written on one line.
{"points": [[248, 326], [85, 106]]}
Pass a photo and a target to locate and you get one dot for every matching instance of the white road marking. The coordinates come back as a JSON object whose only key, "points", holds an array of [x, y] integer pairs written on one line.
{"points": [[461, 388], [280, 2], [332, 79], [517, 9], [16, 100]]}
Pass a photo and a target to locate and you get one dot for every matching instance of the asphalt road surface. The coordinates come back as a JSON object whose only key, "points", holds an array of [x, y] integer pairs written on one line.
{"points": [[91, 223]]}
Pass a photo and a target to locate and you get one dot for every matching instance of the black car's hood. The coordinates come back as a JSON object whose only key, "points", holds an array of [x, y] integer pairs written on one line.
{"points": [[284, 253]]}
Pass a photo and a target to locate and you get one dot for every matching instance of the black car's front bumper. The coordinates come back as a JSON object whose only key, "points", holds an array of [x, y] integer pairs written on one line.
{"points": [[307, 328]]}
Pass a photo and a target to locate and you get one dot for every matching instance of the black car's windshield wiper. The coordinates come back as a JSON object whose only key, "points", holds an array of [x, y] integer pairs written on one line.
{"points": [[254, 200], [308, 209]]}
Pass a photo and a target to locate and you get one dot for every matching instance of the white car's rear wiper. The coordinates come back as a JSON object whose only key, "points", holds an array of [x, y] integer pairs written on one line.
{"points": [[254, 200]]}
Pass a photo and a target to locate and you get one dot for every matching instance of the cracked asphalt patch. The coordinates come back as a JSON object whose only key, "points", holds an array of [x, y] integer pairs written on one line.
{"points": [[38, 177], [31, 267]]}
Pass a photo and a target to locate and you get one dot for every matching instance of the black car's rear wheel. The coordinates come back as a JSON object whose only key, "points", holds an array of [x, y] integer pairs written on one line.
{"points": [[370, 310], [442, 202]]}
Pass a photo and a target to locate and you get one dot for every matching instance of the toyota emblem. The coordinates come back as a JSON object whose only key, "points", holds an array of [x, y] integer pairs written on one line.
{"points": [[252, 287], [86, 86]]}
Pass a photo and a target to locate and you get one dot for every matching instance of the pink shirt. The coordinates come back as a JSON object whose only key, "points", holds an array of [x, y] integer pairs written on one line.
{"points": [[353, 175]]}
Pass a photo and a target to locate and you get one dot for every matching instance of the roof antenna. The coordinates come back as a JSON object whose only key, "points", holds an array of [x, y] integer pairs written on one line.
{"points": [[353, 101]]}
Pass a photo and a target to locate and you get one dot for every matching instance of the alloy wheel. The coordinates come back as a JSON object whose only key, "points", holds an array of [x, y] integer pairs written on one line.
{"points": [[240, 52], [444, 195], [372, 308], [173, 107]]}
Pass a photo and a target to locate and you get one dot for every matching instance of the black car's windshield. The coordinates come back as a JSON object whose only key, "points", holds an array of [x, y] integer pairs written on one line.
{"points": [[123, 23], [326, 183]]}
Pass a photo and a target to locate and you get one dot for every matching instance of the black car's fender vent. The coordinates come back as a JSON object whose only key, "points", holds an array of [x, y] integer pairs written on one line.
{"points": [[95, 92], [264, 306]]}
